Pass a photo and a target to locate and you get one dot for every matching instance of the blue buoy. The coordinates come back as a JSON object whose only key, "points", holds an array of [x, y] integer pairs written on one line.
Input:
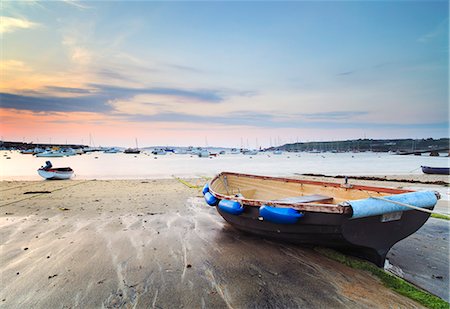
{"points": [[279, 215], [205, 188], [211, 199], [231, 207]]}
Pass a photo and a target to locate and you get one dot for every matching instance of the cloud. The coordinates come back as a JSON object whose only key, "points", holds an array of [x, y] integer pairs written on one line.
{"points": [[96, 103], [201, 95], [77, 4], [14, 65], [346, 73], [266, 120], [441, 30], [68, 89], [341, 115], [99, 98], [184, 68], [10, 24]]}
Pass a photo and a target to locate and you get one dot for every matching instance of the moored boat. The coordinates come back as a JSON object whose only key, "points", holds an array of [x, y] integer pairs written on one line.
{"points": [[249, 152], [359, 220], [204, 153], [435, 170], [50, 172], [159, 151], [132, 150], [111, 150], [50, 154]]}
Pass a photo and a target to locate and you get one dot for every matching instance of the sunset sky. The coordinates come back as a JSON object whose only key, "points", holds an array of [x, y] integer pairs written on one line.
{"points": [[222, 73]]}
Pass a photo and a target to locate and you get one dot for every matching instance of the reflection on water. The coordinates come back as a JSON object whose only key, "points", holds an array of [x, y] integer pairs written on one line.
{"points": [[129, 166]]}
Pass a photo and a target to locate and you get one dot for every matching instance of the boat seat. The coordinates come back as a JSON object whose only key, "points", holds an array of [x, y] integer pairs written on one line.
{"points": [[307, 199]]}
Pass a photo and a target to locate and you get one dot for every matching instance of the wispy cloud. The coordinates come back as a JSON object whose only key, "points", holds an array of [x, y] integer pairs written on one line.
{"points": [[10, 24], [14, 65], [95, 103], [184, 68], [441, 30], [266, 120], [346, 73], [78, 4], [338, 115], [98, 98]]}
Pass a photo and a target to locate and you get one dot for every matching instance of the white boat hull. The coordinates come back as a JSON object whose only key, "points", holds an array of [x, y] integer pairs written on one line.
{"points": [[50, 174], [50, 154]]}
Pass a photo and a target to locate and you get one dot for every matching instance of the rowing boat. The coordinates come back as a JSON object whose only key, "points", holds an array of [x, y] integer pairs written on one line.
{"points": [[363, 221], [435, 170], [52, 173]]}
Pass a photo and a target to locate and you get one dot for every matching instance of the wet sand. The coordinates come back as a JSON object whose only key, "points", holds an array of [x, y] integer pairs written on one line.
{"points": [[155, 244]]}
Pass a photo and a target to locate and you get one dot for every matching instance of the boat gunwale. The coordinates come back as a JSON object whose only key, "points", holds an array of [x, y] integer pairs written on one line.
{"points": [[60, 170], [311, 207]]}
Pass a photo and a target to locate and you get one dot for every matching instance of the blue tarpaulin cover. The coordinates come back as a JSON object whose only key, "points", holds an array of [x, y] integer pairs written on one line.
{"points": [[373, 207]]}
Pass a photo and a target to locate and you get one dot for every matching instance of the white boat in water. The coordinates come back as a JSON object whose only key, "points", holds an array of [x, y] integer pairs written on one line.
{"points": [[159, 151], [204, 153], [50, 153], [49, 172], [111, 150], [250, 152]]}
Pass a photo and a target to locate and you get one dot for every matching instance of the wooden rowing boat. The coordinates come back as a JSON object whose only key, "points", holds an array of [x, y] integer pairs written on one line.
{"points": [[363, 221]]}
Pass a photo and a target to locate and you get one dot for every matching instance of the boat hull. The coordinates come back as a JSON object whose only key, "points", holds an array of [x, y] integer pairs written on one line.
{"points": [[50, 154], [369, 238], [55, 174], [435, 170]]}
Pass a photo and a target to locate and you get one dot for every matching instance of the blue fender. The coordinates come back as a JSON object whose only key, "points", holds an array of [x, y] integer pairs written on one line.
{"points": [[205, 188], [231, 207], [279, 215], [211, 199], [373, 207]]}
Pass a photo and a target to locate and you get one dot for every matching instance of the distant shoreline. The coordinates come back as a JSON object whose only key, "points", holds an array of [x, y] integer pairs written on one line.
{"points": [[385, 178]]}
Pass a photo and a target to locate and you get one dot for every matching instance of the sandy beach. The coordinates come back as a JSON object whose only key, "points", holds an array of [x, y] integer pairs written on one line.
{"points": [[155, 244]]}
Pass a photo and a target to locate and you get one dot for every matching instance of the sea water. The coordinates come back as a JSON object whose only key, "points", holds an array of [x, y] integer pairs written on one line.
{"points": [[99, 165]]}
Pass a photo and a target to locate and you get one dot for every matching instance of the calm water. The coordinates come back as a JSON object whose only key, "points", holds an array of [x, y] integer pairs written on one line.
{"points": [[128, 166]]}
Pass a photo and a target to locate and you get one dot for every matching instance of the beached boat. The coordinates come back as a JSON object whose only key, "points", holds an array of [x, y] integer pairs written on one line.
{"points": [[435, 170], [359, 220], [50, 172]]}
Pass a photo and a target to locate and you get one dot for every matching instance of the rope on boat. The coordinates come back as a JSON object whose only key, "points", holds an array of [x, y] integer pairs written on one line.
{"points": [[39, 194], [409, 206]]}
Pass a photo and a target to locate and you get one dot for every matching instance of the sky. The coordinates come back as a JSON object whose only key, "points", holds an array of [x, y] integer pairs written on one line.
{"points": [[215, 73]]}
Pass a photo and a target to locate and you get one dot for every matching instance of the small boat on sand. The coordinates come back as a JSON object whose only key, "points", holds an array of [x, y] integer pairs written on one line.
{"points": [[50, 172], [359, 220], [435, 170]]}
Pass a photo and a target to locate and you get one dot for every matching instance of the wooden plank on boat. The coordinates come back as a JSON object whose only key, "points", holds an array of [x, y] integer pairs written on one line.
{"points": [[306, 199], [315, 183]]}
